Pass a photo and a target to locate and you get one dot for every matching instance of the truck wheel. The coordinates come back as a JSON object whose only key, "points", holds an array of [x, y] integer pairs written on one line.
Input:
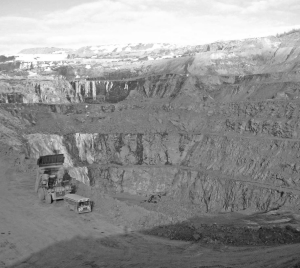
{"points": [[48, 198], [41, 194]]}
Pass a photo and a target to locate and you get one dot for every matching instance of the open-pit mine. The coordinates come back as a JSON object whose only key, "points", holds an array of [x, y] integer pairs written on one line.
{"points": [[190, 155]]}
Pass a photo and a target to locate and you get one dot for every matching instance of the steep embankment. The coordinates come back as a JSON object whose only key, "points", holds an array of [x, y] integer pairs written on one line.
{"points": [[211, 171], [49, 90]]}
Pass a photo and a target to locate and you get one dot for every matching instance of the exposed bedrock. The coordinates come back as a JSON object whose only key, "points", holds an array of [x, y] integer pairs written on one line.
{"points": [[262, 119], [97, 91], [102, 90], [35, 91], [191, 88], [114, 91], [211, 171], [259, 119], [204, 191]]}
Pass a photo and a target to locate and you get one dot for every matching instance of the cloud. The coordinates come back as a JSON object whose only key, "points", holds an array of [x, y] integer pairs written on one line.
{"points": [[126, 21], [9, 25]]}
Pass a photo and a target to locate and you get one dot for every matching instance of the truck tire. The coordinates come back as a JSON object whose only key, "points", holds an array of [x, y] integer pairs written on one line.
{"points": [[48, 198], [41, 194]]}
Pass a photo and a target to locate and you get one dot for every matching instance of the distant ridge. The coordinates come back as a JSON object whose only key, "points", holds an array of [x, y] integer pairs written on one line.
{"points": [[154, 50], [102, 49], [44, 50], [291, 32]]}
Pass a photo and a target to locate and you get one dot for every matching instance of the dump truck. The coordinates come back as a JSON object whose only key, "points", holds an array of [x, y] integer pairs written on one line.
{"points": [[52, 180]]}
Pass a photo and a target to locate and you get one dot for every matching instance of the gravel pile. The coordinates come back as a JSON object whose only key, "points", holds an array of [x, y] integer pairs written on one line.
{"points": [[228, 235]]}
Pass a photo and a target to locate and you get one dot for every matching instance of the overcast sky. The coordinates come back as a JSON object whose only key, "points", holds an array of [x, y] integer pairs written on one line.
{"points": [[76, 23]]}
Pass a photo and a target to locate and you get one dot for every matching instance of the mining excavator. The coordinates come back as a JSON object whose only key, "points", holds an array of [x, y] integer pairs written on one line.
{"points": [[52, 180]]}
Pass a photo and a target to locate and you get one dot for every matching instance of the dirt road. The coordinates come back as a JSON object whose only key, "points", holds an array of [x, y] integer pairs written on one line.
{"points": [[34, 234]]}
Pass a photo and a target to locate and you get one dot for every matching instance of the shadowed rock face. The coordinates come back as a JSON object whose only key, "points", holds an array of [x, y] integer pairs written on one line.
{"points": [[114, 91], [86, 91], [36, 91], [11, 98], [101, 91]]}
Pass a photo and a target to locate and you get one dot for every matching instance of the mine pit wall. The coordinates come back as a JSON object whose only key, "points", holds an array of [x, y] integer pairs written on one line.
{"points": [[281, 86], [94, 91], [100, 91], [88, 91], [264, 119], [198, 88], [36, 91], [43, 144], [212, 172]]}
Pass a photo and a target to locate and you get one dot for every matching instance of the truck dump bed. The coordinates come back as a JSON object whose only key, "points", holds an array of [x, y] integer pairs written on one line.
{"points": [[76, 198], [50, 160]]}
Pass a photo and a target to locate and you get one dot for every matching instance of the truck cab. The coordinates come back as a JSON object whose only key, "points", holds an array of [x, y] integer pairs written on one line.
{"points": [[78, 203]]}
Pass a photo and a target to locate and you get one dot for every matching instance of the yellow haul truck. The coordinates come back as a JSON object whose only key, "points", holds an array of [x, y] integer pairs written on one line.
{"points": [[78, 203], [52, 180]]}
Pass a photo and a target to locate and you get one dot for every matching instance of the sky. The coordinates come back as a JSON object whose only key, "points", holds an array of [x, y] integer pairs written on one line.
{"points": [[77, 23]]}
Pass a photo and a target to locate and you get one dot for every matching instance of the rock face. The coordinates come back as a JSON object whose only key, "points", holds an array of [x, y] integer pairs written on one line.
{"points": [[89, 91], [103, 90], [217, 129], [36, 91], [211, 171]]}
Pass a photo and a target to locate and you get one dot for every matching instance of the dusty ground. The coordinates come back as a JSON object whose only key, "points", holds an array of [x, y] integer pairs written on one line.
{"points": [[34, 234]]}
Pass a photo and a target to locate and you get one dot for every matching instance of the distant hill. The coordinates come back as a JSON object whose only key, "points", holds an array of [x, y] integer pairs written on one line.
{"points": [[166, 50], [111, 50], [45, 50]]}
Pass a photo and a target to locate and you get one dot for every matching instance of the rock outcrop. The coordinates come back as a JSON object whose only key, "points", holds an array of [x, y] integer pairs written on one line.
{"points": [[36, 91]]}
